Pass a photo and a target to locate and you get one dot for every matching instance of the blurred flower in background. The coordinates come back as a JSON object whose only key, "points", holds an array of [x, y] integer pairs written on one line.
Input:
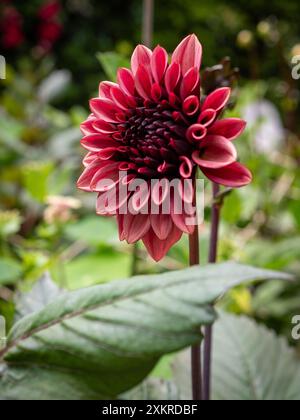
{"points": [[60, 208], [49, 28], [264, 119], [45, 25], [11, 26]]}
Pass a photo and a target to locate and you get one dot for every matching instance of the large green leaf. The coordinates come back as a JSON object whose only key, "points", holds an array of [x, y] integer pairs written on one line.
{"points": [[98, 342], [43, 292], [250, 363]]}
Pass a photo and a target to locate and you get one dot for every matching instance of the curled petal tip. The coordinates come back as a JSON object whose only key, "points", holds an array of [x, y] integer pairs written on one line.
{"points": [[141, 56], [188, 53], [217, 99]]}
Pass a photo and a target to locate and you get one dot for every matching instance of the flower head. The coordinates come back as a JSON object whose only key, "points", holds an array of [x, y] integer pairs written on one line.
{"points": [[153, 124]]}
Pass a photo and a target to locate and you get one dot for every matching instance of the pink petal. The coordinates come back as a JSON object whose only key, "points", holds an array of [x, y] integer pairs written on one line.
{"points": [[191, 105], [106, 204], [105, 89], [139, 200], [125, 166], [186, 191], [96, 142], [160, 191], [107, 153], [217, 99], [84, 182], [120, 99], [190, 83], [104, 109], [158, 248], [174, 100], [215, 152], [112, 200], [207, 117], [103, 127], [159, 63], [141, 56], [182, 209], [230, 128], [120, 221], [89, 159], [188, 54], [107, 171], [162, 225], [126, 81], [186, 168], [156, 92], [172, 77], [143, 82], [234, 175], [135, 227], [195, 133], [87, 126]]}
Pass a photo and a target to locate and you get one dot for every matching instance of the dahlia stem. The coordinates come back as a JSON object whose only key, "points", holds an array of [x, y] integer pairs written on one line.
{"points": [[196, 365], [147, 29], [213, 249], [135, 258]]}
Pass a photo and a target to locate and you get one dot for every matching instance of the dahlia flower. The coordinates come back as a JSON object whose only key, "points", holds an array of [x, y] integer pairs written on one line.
{"points": [[154, 124]]}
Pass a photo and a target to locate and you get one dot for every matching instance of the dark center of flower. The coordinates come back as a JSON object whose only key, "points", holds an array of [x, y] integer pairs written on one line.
{"points": [[155, 140]]}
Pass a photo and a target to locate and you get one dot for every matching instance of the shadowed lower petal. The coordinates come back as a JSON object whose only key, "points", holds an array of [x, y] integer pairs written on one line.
{"points": [[159, 248]]}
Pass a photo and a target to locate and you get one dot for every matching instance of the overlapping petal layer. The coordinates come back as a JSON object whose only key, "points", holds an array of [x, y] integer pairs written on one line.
{"points": [[153, 124]]}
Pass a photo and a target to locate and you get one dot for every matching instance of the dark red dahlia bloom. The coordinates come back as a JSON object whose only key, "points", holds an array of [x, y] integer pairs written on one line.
{"points": [[11, 28], [153, 124], [49, 33], [49, 29], [49, 10]]}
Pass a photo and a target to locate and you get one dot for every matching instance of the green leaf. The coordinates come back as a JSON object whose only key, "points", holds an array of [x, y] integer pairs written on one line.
{"points": [[43, 292], [251, 363], [110, 62], [10, 271], [99, 342], [153, 389]]}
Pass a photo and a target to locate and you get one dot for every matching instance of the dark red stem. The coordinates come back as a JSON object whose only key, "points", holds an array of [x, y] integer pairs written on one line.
{"points": [[213, 249], [196, 367]]}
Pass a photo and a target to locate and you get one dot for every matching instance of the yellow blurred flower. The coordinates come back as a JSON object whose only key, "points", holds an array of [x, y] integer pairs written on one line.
{"points": [[245, 39]]}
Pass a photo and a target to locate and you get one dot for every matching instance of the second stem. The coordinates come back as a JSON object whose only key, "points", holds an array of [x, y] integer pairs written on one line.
{"points": [[213, 249], [196, 369]]}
